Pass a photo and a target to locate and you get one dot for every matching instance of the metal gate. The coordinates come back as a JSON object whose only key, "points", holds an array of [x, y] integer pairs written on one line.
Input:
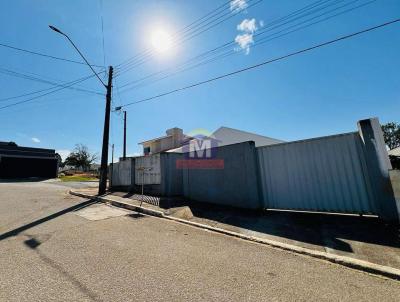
{"points": [[148, 170], [322, 174], [122, 173]]}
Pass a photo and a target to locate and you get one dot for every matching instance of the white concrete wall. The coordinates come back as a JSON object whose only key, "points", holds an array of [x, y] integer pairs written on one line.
{"points": [[148, 170]]}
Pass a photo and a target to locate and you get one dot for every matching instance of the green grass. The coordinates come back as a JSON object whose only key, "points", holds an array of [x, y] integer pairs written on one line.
{"points": [[77, 178]]}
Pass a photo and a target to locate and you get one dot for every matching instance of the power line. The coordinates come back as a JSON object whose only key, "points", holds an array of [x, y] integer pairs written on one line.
{"points": [[102, 32], [191, 25], [279, 33], [44, 55], [49, 92], [230, 42], [205, 18], [182, 68], [25, 94], [264, 63], [185, 38], [307, 7], [191, 35], [45, 102], [201, 63], [32, 92], [31, 78]]}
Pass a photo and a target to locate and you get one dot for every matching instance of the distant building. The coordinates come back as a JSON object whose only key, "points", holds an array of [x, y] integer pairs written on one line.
{"points": [[394, 152], [24, 162], [174, 138], [229, 136], [176, 141]]}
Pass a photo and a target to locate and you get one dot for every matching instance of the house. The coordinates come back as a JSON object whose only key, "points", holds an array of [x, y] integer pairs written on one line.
{"points": [[394, 152], [174, 138], [228, 136], [176, 141], [394, 156], [24, 162]]}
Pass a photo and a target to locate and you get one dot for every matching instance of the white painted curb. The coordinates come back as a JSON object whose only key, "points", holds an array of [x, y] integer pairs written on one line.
{"points": [[361, 265]]}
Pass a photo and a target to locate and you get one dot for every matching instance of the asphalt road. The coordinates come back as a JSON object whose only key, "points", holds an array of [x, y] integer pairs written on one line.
{"points": [[99, 253]]}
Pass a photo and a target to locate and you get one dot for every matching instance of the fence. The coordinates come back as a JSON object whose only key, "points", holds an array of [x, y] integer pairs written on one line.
{"points": [[345, 173], [148, 170], [324, 174], [235, 185], [157, 173], [122, 174]]}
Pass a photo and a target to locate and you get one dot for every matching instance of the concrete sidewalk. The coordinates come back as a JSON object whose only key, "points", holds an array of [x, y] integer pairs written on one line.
{"points": [[362, 238]]}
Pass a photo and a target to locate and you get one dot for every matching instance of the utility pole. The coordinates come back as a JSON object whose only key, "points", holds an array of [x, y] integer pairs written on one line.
{"points": [[112, 164], [124, 155], [112, 153], [106, 132]]}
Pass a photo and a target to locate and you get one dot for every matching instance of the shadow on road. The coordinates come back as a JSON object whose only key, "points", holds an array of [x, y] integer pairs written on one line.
{"points": [[325, 230], [19, 180], [25, 227]]}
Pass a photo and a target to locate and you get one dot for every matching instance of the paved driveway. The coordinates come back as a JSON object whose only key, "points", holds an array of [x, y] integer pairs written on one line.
{"points": [[55, 247]]}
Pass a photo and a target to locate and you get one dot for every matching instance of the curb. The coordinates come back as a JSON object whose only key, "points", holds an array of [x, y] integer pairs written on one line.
{"points": [[360, 265]]}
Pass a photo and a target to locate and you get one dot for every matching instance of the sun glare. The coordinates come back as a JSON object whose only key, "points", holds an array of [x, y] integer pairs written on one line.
{"points": [[161, 41]]}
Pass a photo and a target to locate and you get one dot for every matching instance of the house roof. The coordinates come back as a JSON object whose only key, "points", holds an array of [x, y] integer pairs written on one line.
{"points": [[394, 152], [155, 139], [12, 149], [228, 136]]}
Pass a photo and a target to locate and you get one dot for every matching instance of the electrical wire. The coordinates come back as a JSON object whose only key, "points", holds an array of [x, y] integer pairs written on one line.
{"points": [[36, 79], [186, 28], [267, 28], [49, 92], [264, 63], [185, 38], [102, 32], [44, 55]]}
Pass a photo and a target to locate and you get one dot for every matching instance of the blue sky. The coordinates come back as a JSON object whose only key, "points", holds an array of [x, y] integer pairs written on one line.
{"points": [[314, 94]]}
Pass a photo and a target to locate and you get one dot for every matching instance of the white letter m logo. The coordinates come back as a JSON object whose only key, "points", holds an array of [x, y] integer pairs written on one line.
{"points": [[198, 147]]}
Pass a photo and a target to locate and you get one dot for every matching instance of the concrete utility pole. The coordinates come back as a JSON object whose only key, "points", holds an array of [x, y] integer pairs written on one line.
{"points": [[124, 155], [112, 164], [106, 132]]}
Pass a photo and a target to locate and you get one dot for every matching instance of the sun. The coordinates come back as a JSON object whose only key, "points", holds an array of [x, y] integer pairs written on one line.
{"points": [[161, 41]]}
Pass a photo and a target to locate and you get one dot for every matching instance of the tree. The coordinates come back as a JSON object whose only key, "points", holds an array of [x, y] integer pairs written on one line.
{"points": [[80, 157], [391, 134], [59, 160]]}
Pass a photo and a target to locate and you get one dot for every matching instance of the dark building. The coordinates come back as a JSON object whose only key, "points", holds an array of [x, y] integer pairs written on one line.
{"points": [[23, 162]]}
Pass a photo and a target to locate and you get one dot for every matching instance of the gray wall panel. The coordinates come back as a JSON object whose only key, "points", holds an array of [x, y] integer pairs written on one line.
{"points": [[324, 174], [122, 173], [234, 185]]}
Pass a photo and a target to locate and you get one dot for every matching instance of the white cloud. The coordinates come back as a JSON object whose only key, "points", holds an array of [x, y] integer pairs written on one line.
{"points": [[63, 153], [261, 22], [35, 140], [247, 25], [244, 41], [238, 5]]}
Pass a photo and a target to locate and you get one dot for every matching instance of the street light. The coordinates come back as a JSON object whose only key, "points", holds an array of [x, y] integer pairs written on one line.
{"points": [[106, 132], [83, 57], [119, 108]]}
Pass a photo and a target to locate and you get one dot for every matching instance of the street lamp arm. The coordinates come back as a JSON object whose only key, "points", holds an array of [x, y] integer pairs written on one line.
{"points": [[83, 57]]}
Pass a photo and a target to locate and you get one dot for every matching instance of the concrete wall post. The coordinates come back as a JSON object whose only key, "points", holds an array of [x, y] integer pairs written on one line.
{"points": [[378, 166]]}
